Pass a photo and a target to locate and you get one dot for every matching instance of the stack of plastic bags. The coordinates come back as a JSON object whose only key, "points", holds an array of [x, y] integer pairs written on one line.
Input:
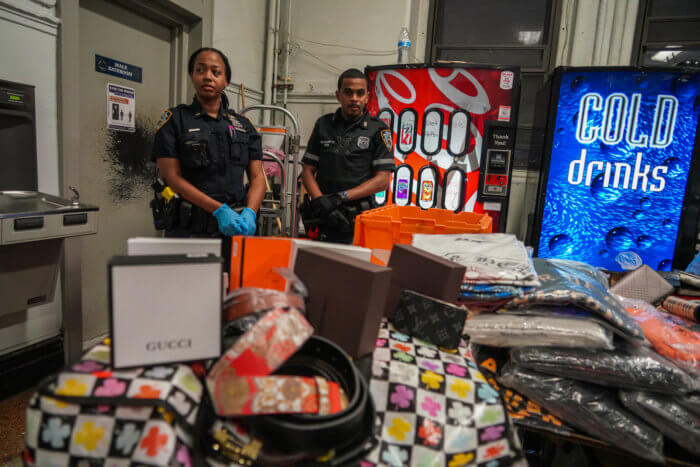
{"points": [[575, 349], [498, 266]]}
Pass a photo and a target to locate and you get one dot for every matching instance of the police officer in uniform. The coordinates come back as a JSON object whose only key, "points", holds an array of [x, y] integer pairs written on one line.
{"points": [[202, 151], [348, 159]]}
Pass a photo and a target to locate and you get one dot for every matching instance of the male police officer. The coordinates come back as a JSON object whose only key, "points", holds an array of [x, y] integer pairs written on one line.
{"points": [[348, 159]]}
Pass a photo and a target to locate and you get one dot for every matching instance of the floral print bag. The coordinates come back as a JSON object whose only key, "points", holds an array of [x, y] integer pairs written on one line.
{"points": [[89, 414], [435, 407]]}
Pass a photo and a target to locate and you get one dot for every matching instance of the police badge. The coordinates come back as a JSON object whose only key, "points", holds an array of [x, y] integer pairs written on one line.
{"points": [[386, 137], [362, 142]]}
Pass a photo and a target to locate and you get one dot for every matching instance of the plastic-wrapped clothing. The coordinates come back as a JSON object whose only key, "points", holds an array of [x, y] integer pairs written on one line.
{"points": [[595, 410], [670, 335], [516, 331], [667, 415], [691, 402], [524, 411], [577, 313], [580, 285], [632, 368], [494, 258]]}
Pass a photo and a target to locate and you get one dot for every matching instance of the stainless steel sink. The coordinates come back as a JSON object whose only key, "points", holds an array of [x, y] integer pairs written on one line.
{"points": [[34, 203], [32, 228]]}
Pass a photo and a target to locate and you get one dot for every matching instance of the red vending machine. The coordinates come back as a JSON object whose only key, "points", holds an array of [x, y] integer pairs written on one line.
{"points": [[454, 134]]}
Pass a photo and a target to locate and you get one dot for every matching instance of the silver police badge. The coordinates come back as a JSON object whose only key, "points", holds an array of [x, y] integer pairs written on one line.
{"points": [[363, 142]]}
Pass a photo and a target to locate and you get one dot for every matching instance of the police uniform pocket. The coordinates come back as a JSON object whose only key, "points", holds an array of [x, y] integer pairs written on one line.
{"points": [[195, 153], [239, 149]]}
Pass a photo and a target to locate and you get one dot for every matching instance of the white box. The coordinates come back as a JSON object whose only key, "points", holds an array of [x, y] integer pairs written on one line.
{"points": [[164, 309], [173, 246], [357, 252]]}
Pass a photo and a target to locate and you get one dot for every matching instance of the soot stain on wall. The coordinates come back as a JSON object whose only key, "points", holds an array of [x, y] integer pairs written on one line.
{"points": [[128, 156]]}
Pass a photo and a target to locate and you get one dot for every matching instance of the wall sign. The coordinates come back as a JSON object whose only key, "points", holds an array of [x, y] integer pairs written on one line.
{"points": [[621, 149], [114, 67], [121, 108]]}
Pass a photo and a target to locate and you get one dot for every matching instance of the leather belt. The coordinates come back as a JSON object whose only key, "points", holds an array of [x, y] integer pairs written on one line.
{"points": [[321, 357], [247, 300], [306, 439]]}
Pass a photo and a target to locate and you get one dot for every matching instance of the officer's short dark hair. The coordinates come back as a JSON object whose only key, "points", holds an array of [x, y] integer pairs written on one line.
{"points": [[351, 73], [193, 57]]}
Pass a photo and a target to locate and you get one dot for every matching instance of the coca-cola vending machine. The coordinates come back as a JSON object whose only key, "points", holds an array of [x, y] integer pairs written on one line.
{"points": [[453, 128]]}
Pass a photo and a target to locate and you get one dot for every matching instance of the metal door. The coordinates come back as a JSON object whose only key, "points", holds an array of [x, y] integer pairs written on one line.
{"points": [[115, 166]]}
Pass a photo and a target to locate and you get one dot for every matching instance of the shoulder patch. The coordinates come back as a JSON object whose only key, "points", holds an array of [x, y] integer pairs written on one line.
{"points": [[163, 119], [386, 138]]}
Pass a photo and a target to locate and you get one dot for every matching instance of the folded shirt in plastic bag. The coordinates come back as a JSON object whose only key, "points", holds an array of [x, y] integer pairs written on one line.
{"points": [[667, 415], [488, 292], [670, 335], [577, 284], [691, 402], [595, 410], [524, 411], [633, 368], [574, 313], [489, 258], [504, 330]]}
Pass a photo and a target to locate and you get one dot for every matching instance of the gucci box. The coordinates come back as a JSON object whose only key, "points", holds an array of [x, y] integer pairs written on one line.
{"points": [[164, 309], [346, 297], [422, 272]]}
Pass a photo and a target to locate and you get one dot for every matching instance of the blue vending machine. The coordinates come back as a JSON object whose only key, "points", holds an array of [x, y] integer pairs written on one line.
{"points": [[620, 167]]}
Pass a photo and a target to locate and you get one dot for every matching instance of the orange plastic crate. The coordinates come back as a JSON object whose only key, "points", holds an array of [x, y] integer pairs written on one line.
{"points": [[386, 226]]}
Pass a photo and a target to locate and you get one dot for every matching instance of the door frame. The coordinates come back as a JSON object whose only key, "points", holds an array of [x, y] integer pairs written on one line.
{"points": [[191, 23]]}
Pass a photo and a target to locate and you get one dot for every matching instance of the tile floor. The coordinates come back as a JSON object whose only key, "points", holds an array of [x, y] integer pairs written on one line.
{"points": [[12, 428]]}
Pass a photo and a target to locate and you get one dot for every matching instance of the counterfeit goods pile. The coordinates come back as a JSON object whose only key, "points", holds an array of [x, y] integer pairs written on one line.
{"points": [[565, 350]]}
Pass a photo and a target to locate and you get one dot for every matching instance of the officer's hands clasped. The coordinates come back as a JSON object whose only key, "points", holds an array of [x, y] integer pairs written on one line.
{"points": [[226, 218], [246, 222], [327, 209]]}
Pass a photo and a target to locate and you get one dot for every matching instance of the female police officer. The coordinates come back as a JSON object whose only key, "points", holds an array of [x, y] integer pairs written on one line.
{"points": [[202, 150]]}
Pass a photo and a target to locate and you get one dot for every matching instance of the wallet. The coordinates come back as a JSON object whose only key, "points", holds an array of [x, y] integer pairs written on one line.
{"points": [[429, 319], [643, 284]]}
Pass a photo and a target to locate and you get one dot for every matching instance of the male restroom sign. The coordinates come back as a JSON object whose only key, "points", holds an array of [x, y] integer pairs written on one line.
{"points": [[116, 68]]}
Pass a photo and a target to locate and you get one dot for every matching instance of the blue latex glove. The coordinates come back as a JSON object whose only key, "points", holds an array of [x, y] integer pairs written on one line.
{"points": [[246, 222], [226, 218]]}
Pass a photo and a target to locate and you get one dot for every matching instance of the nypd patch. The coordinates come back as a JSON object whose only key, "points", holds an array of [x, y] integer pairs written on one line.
{"points": [[386, 137], [163, 119]]}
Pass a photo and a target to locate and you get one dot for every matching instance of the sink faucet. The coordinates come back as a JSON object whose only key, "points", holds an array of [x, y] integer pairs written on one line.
{"points": [[75, 199]]}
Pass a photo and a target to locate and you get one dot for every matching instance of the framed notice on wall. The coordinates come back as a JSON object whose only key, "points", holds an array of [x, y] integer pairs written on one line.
{"points": [[121, 108]]}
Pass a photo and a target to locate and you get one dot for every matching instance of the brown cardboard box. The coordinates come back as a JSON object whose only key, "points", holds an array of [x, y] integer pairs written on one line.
{"points": [[346, 298], [422, 272]]}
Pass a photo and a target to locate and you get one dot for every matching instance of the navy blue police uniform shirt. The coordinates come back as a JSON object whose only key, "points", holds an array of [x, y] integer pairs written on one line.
{"points": [[348, 154], [213, 152]]}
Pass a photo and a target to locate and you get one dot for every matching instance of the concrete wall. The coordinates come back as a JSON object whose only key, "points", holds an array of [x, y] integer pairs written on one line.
{"points": [[327, 37], [239, 32], [590, 33], [29, 29], [597, 32]]}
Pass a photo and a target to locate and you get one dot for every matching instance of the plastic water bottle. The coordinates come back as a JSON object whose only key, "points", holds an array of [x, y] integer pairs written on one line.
{"points": [[404, 46]]}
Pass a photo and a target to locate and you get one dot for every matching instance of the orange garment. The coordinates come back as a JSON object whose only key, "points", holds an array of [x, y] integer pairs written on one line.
{"points": [[670, 335]]}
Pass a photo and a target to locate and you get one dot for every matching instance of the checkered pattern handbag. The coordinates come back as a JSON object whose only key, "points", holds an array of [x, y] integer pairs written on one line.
{"points": [[89, 414], [435, 408]]}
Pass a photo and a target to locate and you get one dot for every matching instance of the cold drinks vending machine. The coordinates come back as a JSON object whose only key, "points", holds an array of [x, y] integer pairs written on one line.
{"points": [[620, 179], [453, 130]]}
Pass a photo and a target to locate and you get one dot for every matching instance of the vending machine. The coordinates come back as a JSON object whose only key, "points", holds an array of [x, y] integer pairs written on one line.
{"points": [[454, 134], [619, 184]]}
